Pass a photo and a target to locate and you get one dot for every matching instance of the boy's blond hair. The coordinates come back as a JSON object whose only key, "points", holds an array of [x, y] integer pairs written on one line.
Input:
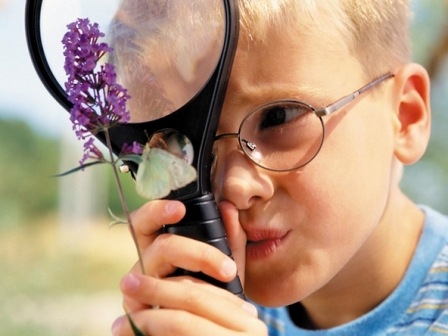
{"points": [[376, 32]]}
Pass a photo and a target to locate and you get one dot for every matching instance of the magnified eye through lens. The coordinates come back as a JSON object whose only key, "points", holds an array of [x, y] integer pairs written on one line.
{"points": [[165, 51]]}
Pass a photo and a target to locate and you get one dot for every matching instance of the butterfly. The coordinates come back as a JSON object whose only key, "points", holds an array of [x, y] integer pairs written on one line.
{"points": [[160, 172]]}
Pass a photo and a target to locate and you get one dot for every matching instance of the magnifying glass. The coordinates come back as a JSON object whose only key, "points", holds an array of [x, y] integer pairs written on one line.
{"points": [[174, 57]]}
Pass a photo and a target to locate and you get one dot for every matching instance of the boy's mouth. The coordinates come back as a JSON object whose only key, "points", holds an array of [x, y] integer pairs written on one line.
{"points": [[262, 244]]}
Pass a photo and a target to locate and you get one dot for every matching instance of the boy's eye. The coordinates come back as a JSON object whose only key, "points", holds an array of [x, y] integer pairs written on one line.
{"points": [[273, 117], [279, 115]]}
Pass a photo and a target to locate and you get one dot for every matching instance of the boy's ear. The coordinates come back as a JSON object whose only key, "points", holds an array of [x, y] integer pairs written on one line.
{"points": [[413, 116]]}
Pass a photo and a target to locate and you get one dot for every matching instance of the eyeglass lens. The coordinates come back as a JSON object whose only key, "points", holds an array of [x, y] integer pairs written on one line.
{"points": [[282, 136]]}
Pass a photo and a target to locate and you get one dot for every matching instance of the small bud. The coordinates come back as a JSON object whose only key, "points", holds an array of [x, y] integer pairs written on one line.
{"points": [[124, 168]]}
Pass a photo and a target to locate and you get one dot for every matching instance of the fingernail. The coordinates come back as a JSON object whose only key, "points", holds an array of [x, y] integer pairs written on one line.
{"points": [[228, 268], [116, 326], [250, 308], [170, 207], [131, 282]]}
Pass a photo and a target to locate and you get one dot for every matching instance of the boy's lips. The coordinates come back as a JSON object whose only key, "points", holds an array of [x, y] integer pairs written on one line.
{"points": [[261, 244]]}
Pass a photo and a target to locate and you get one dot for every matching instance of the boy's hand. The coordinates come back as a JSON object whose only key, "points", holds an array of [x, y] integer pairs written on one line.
{"points": [[149, 219], [188, 306]]}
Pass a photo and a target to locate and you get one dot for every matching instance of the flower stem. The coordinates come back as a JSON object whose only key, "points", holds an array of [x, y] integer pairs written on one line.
{"points": [[123, 201]]}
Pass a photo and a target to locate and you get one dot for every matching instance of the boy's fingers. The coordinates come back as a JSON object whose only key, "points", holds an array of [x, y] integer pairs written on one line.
{"points": [[191, 297], [167, 322], [146, 288], [169, 252], [150, 218]]}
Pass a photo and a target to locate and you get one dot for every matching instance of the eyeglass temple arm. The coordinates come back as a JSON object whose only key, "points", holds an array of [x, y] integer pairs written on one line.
{"points": [[347, 99]]}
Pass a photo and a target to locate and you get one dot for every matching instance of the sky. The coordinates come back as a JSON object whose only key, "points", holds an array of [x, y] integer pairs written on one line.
{"points": [[22, 95]]}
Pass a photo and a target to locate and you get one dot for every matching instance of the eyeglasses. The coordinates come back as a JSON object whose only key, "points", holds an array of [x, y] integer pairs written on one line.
{"points": [[288, 134]]}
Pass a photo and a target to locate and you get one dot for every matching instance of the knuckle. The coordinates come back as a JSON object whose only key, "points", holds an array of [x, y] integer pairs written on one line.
{"points": [[181, 322], [192, 296], [152, 290], [160, 261], [208, 255], [164, 243]]}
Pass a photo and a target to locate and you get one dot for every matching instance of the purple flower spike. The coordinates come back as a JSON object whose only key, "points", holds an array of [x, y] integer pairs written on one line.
{"points": [[91, 152], [99, 102], [134, 148]]}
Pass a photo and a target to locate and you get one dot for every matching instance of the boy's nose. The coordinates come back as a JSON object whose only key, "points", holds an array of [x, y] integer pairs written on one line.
{"points": [[238, 180]]}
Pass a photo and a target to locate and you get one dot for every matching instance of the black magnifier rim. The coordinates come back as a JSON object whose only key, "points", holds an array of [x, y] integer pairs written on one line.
{"points": [[33, 11], [210, 97], [34, 40], [36, 50]]}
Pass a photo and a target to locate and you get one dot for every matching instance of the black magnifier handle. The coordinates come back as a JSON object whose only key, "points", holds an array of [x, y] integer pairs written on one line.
{"points": [[203, 222]]}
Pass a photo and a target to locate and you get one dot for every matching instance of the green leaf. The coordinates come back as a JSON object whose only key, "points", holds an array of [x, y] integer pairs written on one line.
{"points": [[74, 170], [132, 157]]}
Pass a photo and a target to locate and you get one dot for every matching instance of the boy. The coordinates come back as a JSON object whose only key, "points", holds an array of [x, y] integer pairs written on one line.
{"points": [[318, 227]]}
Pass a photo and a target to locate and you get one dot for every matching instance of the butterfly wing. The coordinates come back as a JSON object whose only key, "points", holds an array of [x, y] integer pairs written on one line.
{"points": [[152, 179], [181, 173], [160, 172]]}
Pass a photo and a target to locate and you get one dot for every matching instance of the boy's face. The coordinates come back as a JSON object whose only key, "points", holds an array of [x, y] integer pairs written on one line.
{"points": [[316, 227]]}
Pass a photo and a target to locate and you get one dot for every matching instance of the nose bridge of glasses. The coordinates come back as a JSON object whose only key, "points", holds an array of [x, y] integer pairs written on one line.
{"points": [[250, 145]]}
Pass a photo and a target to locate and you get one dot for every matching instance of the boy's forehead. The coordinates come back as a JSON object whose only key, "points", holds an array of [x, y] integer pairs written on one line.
{"points": [[280, 66], [305, 34]]}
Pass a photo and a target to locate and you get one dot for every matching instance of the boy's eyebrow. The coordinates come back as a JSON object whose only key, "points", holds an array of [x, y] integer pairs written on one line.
{"points": [[304, 93]]}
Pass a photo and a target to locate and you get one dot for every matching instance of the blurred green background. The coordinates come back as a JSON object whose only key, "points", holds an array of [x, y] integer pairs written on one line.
{"points": [[60, 263]]}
